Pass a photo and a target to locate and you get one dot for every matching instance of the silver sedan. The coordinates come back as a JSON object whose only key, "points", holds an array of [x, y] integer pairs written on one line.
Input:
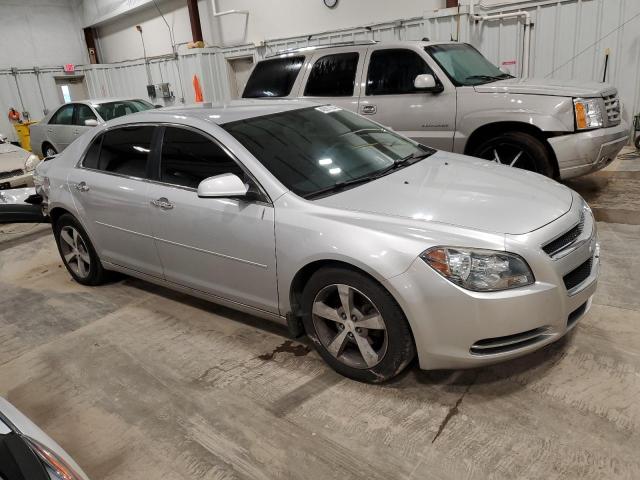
{"points": [[59, 128], [377, 247]]}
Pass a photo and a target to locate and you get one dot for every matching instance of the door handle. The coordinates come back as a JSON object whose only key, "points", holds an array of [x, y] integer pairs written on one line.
{"points": [[162, 203], [368, 109], [82, 187]]}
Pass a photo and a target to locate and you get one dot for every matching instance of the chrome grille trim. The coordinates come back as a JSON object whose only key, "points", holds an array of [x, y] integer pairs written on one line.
{"points": [[612, 109], [12, 173]]}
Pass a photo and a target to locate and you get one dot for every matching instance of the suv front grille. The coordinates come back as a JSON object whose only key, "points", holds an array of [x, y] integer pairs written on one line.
{"points": [[564, 240], [578, 275], [508, 343], [612, 107], [12, 173]]}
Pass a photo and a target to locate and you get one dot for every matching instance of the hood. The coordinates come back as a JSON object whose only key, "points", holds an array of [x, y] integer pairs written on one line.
{"points": [[544, 86], [462, 191], [12, 157]]}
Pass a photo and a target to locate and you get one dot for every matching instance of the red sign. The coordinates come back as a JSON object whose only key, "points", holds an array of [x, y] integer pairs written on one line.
{"points": [[69, 68], [509, 62]]}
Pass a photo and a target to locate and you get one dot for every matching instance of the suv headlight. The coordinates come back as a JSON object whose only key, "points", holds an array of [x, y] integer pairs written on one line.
{"points": [[588, 113], [31, 163], [479, 270]]}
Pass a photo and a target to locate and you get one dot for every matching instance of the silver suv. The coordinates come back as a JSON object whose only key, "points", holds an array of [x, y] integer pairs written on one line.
{"points": [[448, 96]]}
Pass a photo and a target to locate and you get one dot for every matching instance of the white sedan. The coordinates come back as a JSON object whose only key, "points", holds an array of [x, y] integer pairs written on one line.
{"points": [[58, 129], [16, 166]]}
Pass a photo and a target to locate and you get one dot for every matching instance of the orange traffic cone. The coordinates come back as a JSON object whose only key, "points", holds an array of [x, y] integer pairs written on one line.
{"points": [[197, 89]]}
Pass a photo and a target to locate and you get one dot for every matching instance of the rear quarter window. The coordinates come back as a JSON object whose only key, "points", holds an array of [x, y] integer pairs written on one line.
{"points": [[273, 78]]}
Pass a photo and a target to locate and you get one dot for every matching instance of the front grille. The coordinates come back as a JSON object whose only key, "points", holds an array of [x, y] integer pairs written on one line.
{"points": [[576, 314], [12, 173], [490, 346], [578, 275], [564, 240], [612, 108]]}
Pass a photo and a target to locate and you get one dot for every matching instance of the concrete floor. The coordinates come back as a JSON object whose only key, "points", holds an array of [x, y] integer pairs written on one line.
{"points": [[138, 382]]}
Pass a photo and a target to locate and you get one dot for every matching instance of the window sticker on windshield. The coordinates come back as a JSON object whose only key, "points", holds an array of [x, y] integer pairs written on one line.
{"points": [[328, 109]]}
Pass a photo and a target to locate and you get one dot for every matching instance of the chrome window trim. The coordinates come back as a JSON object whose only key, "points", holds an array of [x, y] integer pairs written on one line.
{"points": [[80, 162]]}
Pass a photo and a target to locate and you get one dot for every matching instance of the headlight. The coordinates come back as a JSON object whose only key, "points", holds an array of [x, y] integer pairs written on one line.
{"points": [[56, 467], [31, 163], [588, 113], [479, 270]]}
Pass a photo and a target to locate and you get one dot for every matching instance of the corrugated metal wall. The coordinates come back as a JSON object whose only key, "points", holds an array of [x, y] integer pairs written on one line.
{"points": [[564, 45]]}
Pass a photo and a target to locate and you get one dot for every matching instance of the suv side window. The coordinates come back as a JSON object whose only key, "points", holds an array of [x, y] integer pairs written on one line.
{"points": [[189, 157], [64, 116], [273, 78], [333, 76], [393, 71], [126, 150], [83, 112]]}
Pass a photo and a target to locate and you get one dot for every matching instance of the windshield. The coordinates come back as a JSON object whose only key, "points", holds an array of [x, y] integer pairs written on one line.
{"points": [[111, 110], [313, 149], [465, 65]]}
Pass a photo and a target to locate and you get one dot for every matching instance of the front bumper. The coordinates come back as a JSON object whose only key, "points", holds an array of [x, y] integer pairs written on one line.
{"points": [[585, 152], [458, 328], [19, 181]]}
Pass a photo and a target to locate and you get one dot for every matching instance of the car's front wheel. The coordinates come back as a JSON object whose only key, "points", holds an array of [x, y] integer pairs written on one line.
{"points": [[356, 325], [77, 252], [518, 150]]}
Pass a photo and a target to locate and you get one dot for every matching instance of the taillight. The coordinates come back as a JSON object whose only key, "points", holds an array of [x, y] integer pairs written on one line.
{"points": [[57, 466]]}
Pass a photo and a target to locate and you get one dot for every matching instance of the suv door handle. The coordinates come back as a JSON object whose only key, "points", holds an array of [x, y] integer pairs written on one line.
{"points": [[368, 109], [162, 203], [82, 187]]}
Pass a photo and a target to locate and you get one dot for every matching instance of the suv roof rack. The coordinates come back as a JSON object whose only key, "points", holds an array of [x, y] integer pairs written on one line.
{"points": [[318, 47]]}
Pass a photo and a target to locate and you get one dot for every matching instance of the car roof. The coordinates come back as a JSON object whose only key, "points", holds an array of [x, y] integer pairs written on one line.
{"points": [[350, 45], [98, 101], [218, 113]]}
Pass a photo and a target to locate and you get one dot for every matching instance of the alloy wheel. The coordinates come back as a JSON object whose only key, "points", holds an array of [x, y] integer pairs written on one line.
{"points": [[509, 154], [75, 252], [50, 152], [349, 326]]}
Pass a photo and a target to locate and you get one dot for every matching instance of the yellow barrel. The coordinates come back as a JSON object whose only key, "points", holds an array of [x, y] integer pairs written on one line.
{"points": [[23, 134]]}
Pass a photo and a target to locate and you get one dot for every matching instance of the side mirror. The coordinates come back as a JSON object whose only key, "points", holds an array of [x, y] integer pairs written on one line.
{"points": [[222, 186], [427, 82], [157, 105], [92, 122]]}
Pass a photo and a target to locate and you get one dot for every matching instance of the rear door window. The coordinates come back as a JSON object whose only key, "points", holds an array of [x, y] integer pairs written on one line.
{"points": [[126, 151], [189, 157], [64, 116], [273, 78], [393, 71], [333, 76]]}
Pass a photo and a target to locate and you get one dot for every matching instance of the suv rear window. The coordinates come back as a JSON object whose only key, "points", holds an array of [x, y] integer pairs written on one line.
{"points": [[273, 78], [333, 76]]}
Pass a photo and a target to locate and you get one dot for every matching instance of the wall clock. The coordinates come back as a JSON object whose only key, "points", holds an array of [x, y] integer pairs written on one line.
{"points": [[331, 3]]}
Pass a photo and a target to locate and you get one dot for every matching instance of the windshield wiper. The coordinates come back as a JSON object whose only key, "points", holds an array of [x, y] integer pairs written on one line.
{"points": [[338, 187]]}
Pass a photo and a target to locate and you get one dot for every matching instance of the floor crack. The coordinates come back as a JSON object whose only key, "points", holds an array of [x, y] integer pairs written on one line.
{"points": [[453, 411]]}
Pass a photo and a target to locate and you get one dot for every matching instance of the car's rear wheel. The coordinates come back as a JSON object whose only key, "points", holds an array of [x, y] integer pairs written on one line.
{"points": [[48, 150], [356, 325], [517, 149], [77, 252], [638, 142]]}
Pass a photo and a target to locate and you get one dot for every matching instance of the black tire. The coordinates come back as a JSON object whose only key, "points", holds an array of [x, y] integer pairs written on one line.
{"points": [[534, 155], [399, 348], [47, 146], [95, 274], [637, 142]]}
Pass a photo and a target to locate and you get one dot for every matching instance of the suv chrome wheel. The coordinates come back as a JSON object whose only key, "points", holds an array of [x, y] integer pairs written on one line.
{"points": [[350, 326], [75, 251]]}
